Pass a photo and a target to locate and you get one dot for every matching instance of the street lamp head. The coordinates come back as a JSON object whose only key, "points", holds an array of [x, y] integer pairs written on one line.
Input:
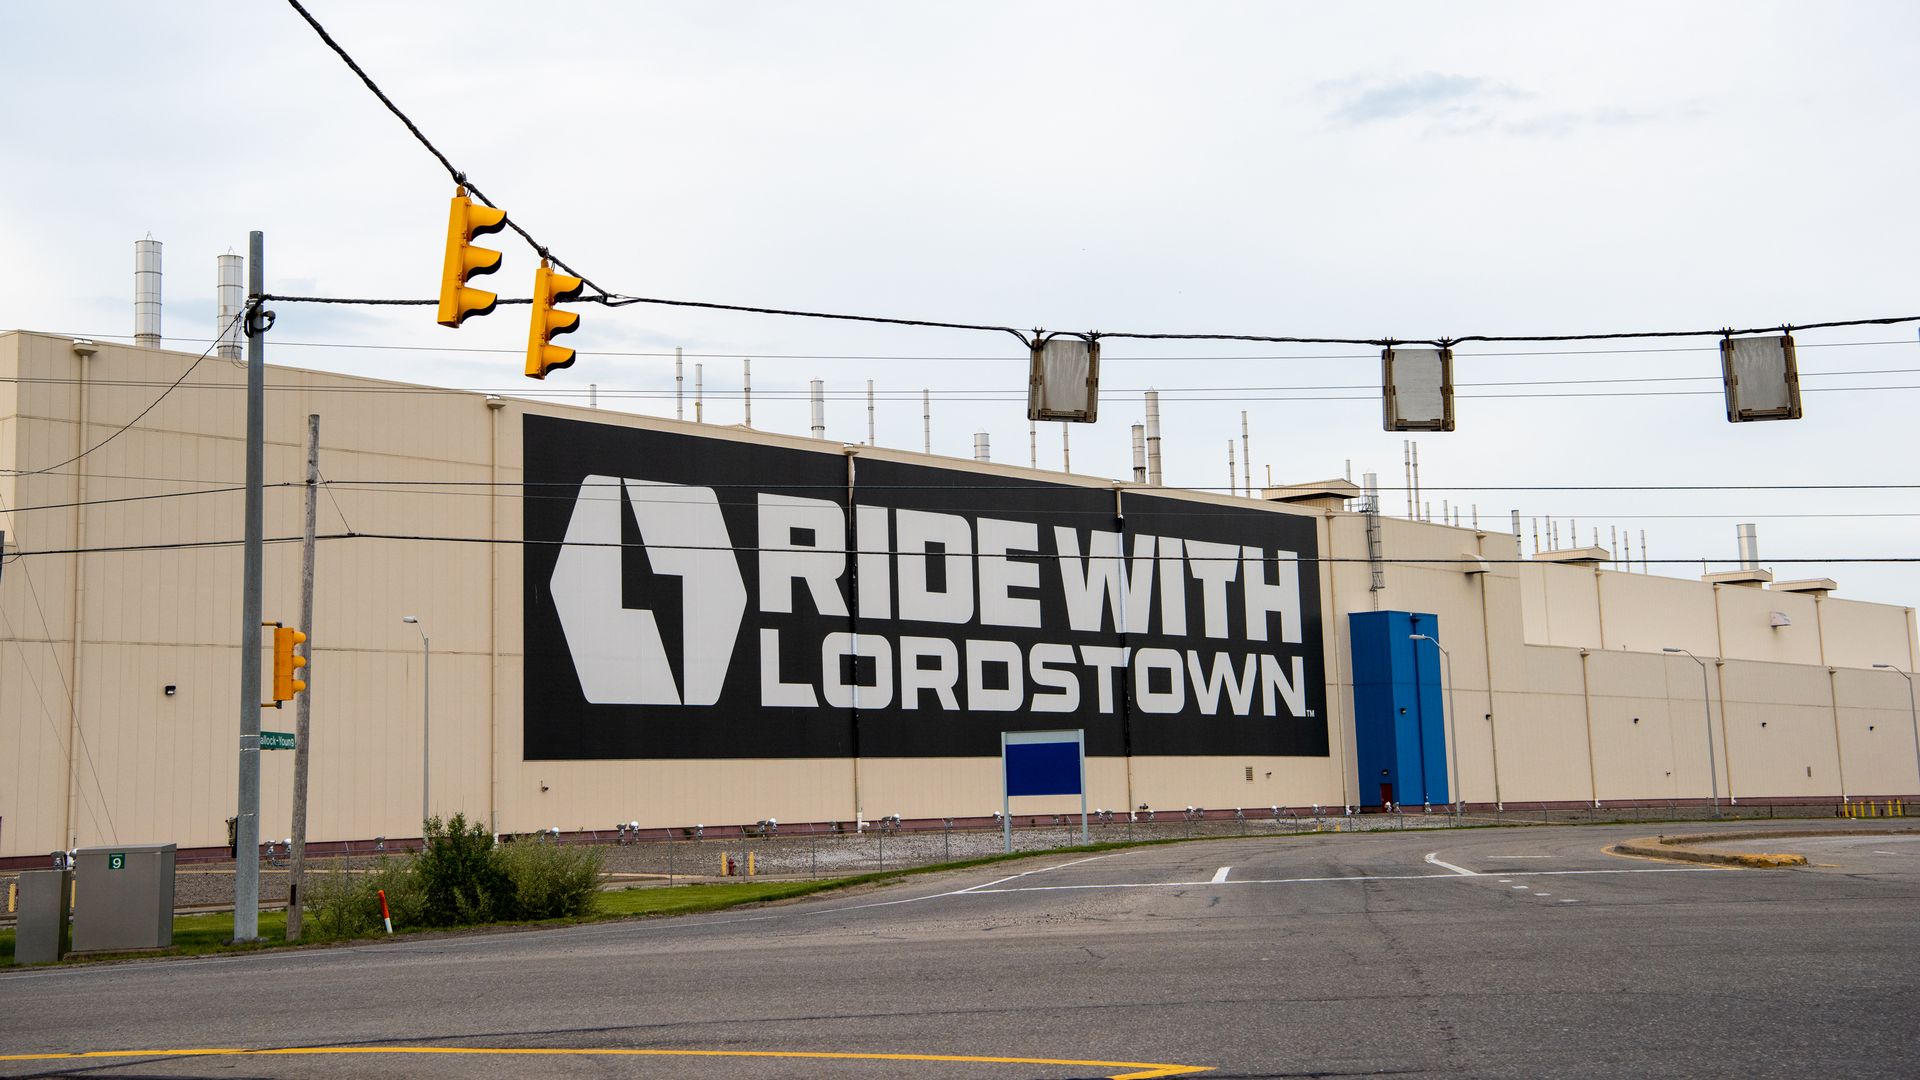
{"points": [[408, 619], [1418, 637], [1888, 666], [1670, 649]]}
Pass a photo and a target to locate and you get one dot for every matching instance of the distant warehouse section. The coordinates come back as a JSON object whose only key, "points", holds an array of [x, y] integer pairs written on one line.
{"points": [[625, 618]]}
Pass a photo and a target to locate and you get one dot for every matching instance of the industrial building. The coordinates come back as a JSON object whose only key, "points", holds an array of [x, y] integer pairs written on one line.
{"points": [[626, 618]]}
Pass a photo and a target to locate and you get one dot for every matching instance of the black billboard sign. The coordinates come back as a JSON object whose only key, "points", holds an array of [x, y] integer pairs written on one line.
{"points": [[699, 597]]}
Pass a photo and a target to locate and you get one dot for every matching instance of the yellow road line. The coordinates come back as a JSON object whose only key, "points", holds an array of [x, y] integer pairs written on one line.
{"points": [[1140, 1070]]}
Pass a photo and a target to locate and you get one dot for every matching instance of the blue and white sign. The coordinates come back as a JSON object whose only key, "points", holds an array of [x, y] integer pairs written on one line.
{"points": [[1042, 763]]}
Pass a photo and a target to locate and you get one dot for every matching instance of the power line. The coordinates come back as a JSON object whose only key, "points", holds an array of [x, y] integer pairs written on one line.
{"points": [[749, 549], [1168, 393], [1000, 359], [612, 299], [141, 415]]}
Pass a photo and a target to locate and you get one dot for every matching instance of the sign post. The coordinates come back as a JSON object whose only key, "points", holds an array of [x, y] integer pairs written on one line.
{"points": [[1042, 763]]}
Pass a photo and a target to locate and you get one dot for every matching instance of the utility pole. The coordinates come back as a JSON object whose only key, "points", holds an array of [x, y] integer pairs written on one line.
{"points": [[246, 868], [303, 725]]}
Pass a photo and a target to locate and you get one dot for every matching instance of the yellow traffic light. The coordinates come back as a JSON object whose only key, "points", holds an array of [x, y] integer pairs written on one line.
{"points": [[285, 663], [464, 222], [550, 288]]}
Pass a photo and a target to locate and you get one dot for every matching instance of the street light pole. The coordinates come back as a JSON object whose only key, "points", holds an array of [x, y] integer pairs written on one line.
{"points": [[426, 724], [1453, 717], [1912, 716], [1706, 702]]}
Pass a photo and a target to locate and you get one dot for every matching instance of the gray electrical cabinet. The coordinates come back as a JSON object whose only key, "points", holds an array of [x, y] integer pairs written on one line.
{"points": [[123, 898], [41, 935]]}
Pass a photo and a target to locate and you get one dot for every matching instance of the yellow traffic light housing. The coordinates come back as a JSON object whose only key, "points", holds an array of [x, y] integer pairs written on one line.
{"points": [[285, 663], [549, 289], [464, 222]]}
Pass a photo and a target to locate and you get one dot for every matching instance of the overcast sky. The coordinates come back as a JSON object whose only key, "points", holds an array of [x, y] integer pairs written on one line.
{"points": [[1341, 170]]}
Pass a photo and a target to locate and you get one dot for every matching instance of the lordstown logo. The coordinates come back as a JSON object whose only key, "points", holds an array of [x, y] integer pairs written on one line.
{"points": [[617, 651]]}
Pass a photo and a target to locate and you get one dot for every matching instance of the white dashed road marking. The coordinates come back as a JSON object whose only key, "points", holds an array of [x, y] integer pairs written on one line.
{"points": [[1220, 875]]}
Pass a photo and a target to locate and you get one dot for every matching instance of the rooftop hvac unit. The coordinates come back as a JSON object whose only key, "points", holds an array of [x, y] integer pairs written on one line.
{"points": [[1763, 382], [1064, 380], [1417, 389]]}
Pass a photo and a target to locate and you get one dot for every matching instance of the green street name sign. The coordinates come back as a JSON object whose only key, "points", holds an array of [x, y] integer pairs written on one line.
{"points": [[276, 740]]}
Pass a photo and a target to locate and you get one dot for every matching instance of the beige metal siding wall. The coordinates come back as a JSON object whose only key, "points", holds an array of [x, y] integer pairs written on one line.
{"points": [[152, 766], [1647, 613], [407, 460], [1745, 625], [1878, 740], [1543, 742], [1860, 635], [1781, 734]]}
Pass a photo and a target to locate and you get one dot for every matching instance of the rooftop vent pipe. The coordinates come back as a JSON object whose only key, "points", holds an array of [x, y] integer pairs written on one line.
{"points": [[1749, 547], [146, 293], [1153, 437], [230, 296]]}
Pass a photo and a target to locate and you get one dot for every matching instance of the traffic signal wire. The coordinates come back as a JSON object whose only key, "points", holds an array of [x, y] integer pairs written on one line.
{"points": [[751, 549], [609, 298]]}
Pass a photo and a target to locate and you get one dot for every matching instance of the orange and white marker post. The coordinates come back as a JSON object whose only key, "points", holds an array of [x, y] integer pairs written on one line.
{"points": [[385, 915]]}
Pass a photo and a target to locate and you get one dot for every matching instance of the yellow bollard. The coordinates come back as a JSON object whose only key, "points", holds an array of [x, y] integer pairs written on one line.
{"points": [[749, 864], [11, 890]]}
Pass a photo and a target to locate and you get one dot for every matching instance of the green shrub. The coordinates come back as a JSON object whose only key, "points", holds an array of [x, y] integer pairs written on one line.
{"points": [[461, 879], [342, 905], [460, 875], [550, 881]]}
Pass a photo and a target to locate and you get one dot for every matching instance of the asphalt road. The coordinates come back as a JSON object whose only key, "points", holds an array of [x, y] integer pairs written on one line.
{"points": [[1496, 952]]}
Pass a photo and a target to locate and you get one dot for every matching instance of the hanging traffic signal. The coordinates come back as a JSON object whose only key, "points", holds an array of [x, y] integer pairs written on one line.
{"points": [[549, 289], [464, 222], [285, 663]]}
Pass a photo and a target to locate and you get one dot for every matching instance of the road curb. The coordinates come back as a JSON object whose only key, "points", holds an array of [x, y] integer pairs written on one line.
{"points": [[1669, 847]]}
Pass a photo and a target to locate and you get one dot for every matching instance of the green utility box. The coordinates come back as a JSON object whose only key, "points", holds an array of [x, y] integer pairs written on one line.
{"points": [[123, 898]]}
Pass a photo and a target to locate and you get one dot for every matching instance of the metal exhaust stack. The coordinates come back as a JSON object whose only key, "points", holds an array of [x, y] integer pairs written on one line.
{"points": [[746, 391], [1246, 459], [146, 293], [679, 385], [1153, 437], [1749, 546], [1139, 453], [817, 398], [981, 452], [230, 297]]}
